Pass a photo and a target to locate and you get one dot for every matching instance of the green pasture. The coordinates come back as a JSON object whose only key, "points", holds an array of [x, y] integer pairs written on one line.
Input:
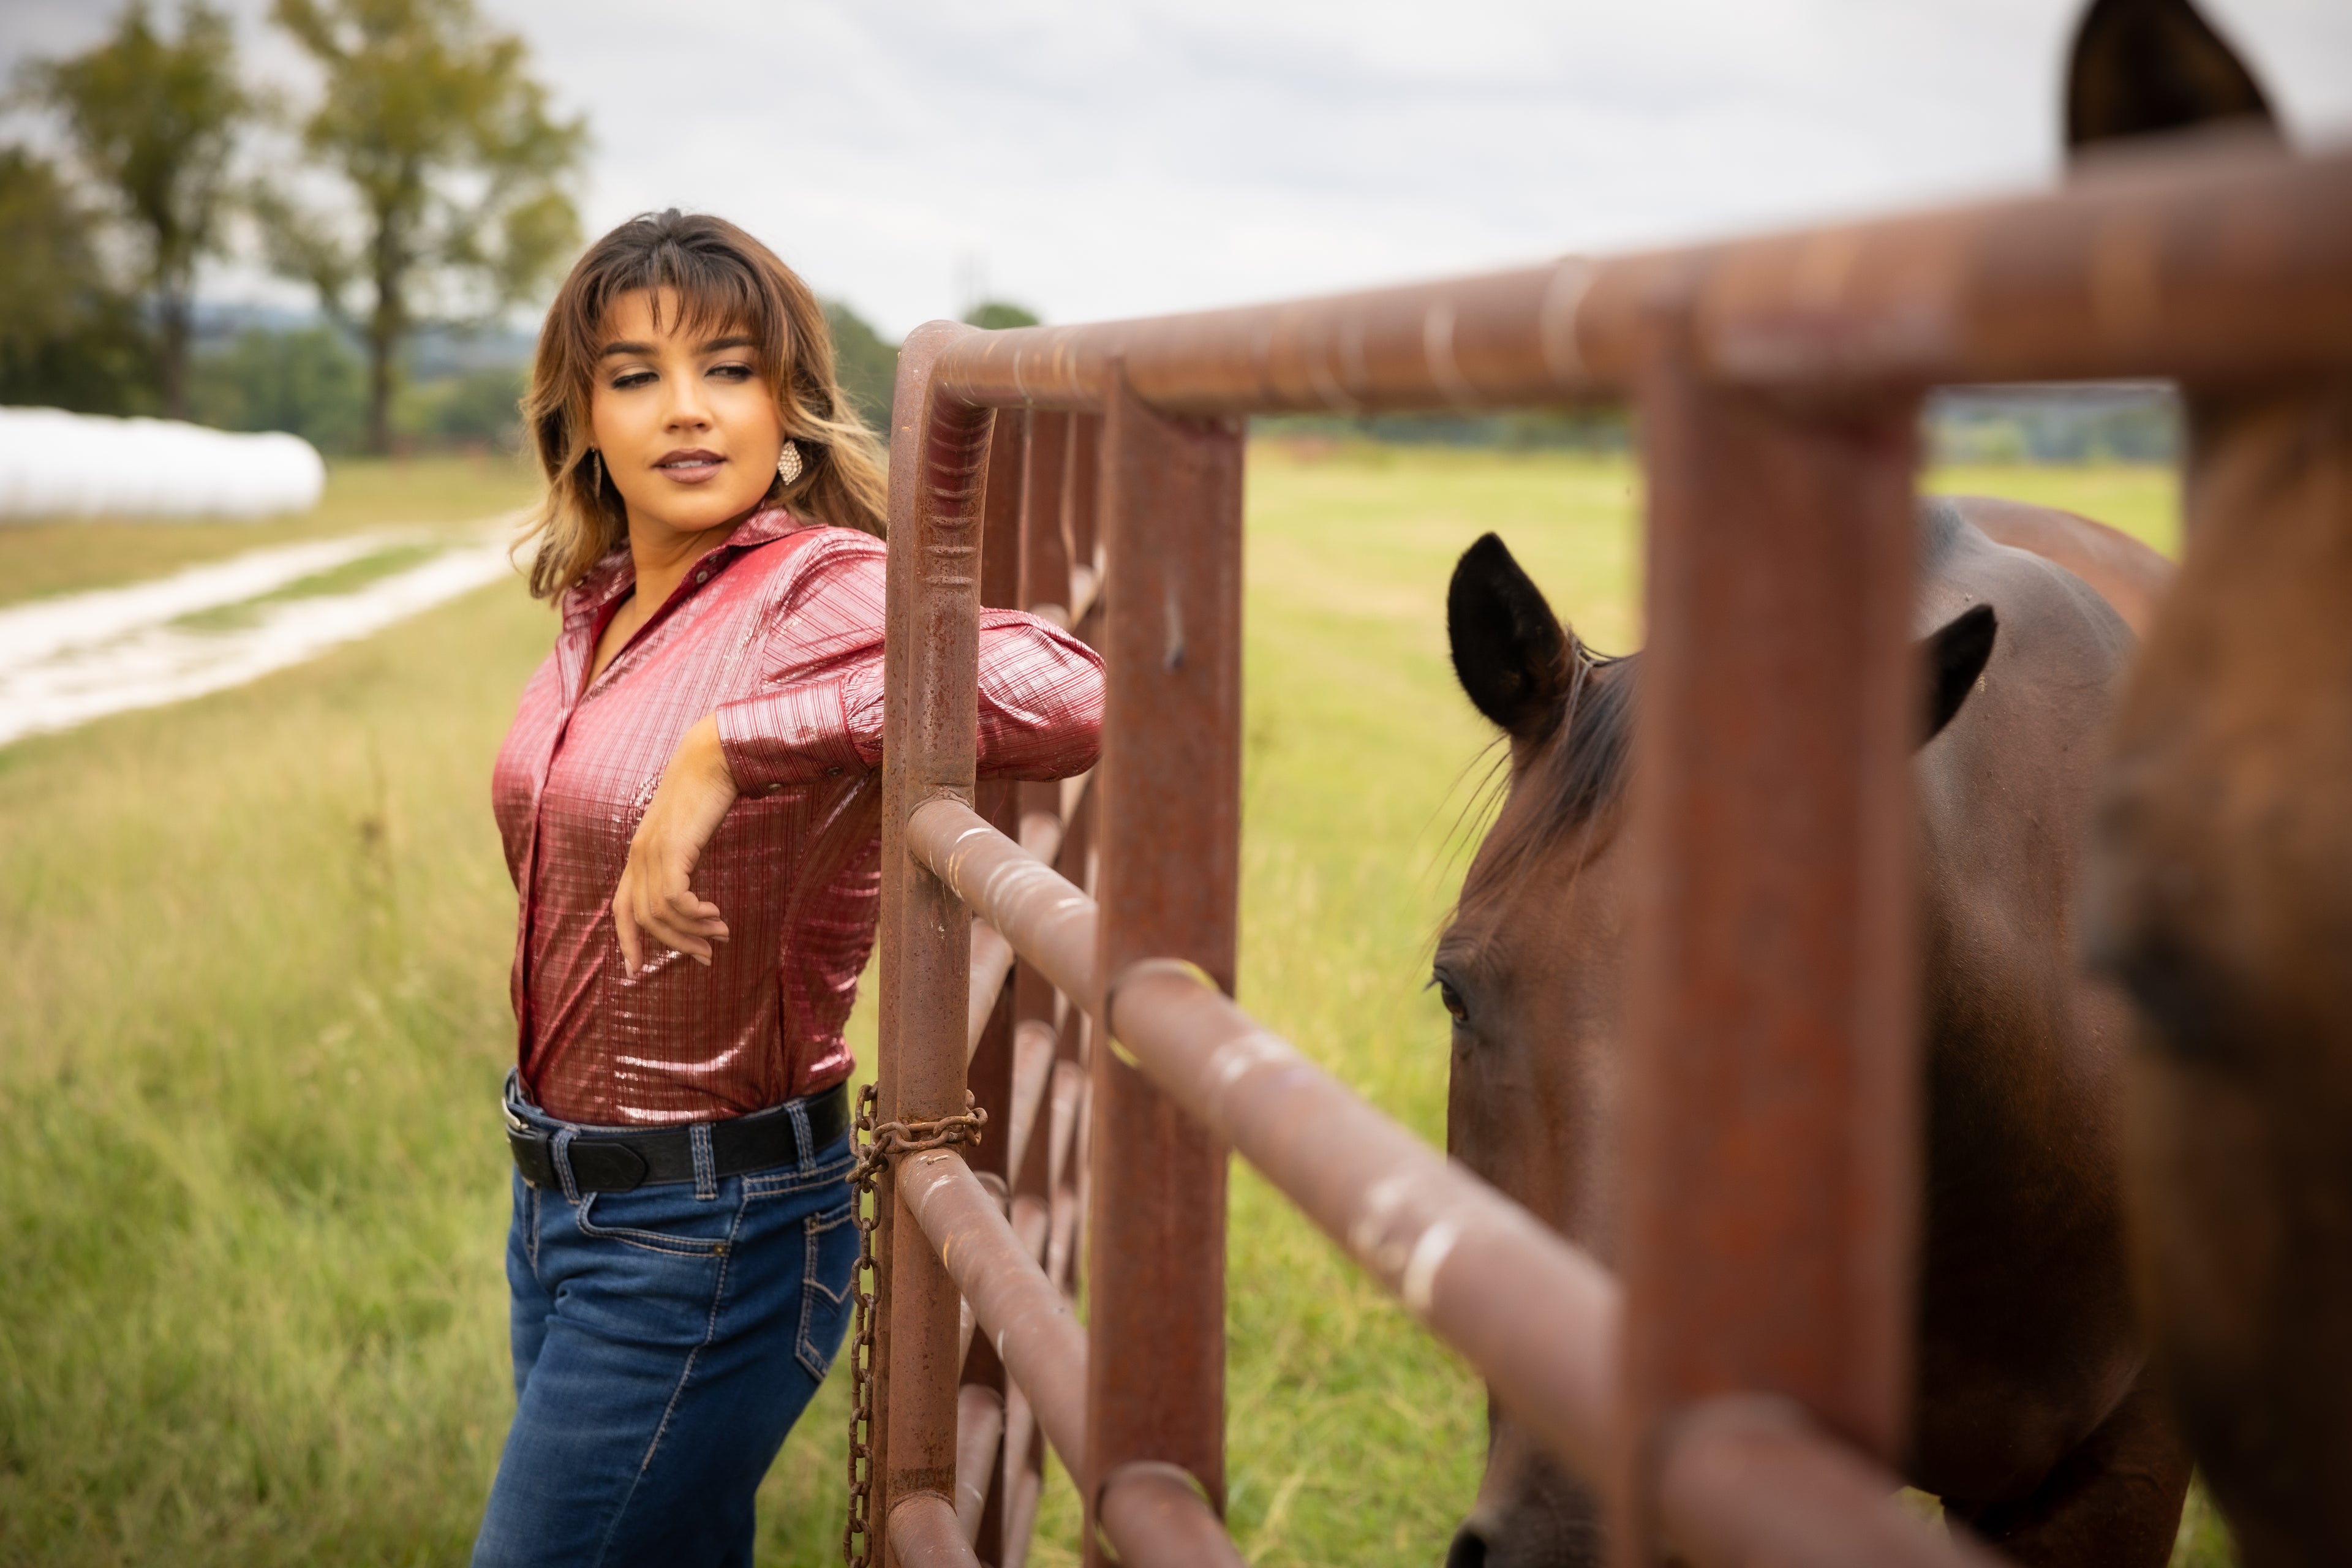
{"points": [[256, 1014]]}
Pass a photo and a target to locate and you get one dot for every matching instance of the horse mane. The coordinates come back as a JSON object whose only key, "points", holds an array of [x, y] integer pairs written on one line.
{"points": [[1578, 771]]}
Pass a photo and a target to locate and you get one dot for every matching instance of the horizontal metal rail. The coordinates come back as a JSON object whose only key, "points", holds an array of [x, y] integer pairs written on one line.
{"points": [[1157, 1517], [1528, 1309], [991, 955], [2235, 260], [924, 1534], [1028, 1321]]}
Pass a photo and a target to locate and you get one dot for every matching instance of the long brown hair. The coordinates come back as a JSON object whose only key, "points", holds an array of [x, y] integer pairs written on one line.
{"points": [[722, 279]]}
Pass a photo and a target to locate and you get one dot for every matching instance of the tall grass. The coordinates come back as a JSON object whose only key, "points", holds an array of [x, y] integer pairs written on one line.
{"points": [[256, 1015]]}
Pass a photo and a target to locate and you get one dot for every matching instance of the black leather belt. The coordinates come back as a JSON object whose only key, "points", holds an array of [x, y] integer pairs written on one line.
{"points": [[620, 1162]]}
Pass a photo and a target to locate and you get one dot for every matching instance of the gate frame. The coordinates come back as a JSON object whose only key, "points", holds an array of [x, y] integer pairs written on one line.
{"points": [[1755, 1410]]}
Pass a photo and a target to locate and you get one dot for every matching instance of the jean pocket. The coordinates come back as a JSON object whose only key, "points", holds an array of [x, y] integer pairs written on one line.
{"points": [[826, 1283], [668, 1219]]}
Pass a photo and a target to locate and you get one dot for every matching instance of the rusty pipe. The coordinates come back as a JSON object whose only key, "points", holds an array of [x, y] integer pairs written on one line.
{"points": [[1529, 1310], [1026, 1318], [924, 1534], [1154, 1513], [1048, 921], [991, 955], [992, 964], [979, 1423], [1532, 1313], [1032, 1070], [1751, 1479], [2234, 258]]}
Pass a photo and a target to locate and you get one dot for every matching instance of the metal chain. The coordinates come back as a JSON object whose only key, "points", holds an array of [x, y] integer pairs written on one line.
{"points": [[878, 1144]]}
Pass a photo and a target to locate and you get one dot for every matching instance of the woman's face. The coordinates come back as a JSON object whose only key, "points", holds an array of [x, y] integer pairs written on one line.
{"points": [[687, 427]]}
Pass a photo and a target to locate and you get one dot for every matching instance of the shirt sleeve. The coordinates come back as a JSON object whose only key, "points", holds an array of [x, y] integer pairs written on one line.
{"points": [[818, 712]]}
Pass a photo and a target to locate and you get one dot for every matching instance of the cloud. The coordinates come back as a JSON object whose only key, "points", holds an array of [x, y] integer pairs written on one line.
{"points": [[1094, 159]]}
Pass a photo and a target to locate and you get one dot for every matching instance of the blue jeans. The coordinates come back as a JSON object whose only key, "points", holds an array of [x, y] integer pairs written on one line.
{"points": [[665, 1342]]}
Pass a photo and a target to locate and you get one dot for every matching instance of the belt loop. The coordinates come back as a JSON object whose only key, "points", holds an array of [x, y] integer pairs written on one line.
{"points": [[560, 1151], [798, 1111], [706, 1169]]}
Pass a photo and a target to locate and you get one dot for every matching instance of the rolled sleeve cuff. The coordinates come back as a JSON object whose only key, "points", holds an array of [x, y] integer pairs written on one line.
{"points": [[792, 735]]}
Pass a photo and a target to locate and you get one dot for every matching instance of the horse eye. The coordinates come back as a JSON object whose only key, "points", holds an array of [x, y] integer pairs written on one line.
{"points": [[1452, 1000]]}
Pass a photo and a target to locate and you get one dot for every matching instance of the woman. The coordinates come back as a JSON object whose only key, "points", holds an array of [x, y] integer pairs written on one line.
{"points": [[689, 801]]}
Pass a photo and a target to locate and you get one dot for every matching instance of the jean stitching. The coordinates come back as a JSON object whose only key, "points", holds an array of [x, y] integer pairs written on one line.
{"points": [[800, 1181], [561, 1150], [649, 1240], [798, 1111], [705, 1171], [530, 1245], [813, 1363]]}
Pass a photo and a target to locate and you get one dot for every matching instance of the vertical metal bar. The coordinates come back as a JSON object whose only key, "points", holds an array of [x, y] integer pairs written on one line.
{"points": [[992, 1063], [931, 690], [1168, 803], [1044, 587], [1044, 539], [1770, 1095], [1081, 503]]}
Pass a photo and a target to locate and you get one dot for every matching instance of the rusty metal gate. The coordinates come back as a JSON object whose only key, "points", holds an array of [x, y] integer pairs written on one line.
{"points": [[1739, 1393]]}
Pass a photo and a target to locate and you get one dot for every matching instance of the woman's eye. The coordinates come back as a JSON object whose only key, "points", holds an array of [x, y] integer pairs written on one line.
{"points": [[633, 380], [1452, 1000], [732, 371]]}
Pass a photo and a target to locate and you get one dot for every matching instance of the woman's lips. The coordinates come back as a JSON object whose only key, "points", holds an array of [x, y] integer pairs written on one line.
{"points": [[692, 468]]}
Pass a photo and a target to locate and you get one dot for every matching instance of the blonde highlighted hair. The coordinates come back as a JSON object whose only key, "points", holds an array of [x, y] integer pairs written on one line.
{"points": [[721, 279]]}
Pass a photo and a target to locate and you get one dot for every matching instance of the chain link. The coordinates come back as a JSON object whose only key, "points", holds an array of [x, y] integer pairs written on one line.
{"points": [[878, 1144]]}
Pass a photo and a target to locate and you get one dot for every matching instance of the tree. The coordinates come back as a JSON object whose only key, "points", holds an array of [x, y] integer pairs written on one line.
{"points": [[456, 172], [867, 367], [156, 122], [68, 337], [995, 315], [307, 380]]}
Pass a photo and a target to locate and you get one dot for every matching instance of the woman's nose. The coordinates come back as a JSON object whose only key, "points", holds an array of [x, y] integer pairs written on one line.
{"points": [[687, 410]]}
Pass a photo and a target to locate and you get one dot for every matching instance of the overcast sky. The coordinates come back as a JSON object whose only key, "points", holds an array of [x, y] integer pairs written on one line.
{"points": [[1093, 158]]}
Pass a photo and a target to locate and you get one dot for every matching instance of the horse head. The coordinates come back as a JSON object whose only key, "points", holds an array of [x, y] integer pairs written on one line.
{"points": [[1532, 965]]}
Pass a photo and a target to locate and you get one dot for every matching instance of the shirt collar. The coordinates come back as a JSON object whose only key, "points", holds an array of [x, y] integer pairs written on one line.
{"points": [[584, 602]]}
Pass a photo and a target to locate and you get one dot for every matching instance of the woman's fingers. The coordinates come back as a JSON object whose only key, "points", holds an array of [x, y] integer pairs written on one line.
{"points": [[658, 905], [625, 926]]}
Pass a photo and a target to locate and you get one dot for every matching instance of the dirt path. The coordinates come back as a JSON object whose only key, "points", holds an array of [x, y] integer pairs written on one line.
{"points": [[67, 660]]}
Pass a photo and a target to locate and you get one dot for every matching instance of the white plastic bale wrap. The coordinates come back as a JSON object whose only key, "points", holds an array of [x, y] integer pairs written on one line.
{"points": [[55, 464]]}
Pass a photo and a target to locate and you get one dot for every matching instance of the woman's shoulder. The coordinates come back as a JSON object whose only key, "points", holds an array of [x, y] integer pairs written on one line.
{"points": [[797, 556]]}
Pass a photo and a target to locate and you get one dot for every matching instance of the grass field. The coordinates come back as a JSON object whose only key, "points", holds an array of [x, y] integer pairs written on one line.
{"points": [[256, 1015]]}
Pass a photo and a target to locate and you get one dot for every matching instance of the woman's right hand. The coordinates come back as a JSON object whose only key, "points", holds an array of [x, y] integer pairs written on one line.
{"points": [[654, 903]]}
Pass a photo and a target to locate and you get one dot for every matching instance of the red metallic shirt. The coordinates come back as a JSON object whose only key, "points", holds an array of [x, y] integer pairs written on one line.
{"points": [[778, 632]]}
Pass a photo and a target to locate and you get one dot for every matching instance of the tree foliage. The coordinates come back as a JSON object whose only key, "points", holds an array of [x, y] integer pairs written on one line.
{"points": [[867, 367], [68, 338], [307, 380], [155, 122], [455, 169], [995, 315]]}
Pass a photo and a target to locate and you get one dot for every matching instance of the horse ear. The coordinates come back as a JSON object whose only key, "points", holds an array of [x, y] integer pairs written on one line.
{"points": [[1952, 656], [1510, 652], [2140, 66]]}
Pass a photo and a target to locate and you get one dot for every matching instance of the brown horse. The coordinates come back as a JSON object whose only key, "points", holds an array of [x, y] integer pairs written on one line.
{"points": [[2220, 890], [2033, 1415]]}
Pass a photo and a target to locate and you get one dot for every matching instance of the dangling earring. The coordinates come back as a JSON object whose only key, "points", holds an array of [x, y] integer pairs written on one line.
{"points": [[788, 463], [596, 459]]}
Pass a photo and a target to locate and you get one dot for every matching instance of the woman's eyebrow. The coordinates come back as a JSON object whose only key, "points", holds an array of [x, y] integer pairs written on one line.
{"points": [[643, 351], [736, 341]]}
